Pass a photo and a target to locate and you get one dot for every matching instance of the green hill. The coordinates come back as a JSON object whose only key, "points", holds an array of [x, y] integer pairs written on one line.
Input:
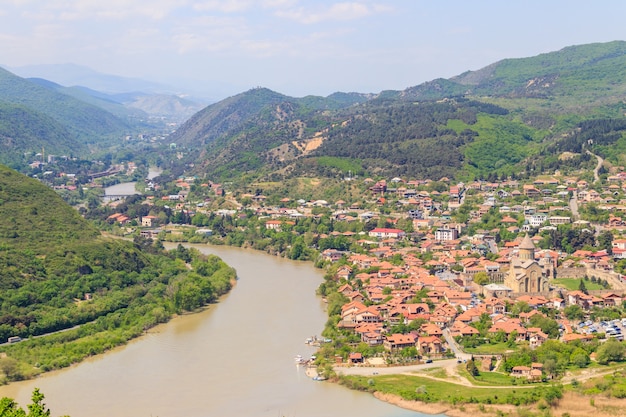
{"points": [[87, 122], [24, 131], [498, 120], [95, 98], [48, 255], [58, 273]]}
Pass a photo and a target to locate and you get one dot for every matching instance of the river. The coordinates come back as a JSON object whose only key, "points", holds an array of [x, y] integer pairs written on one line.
{"points": [[234, 359], [128, 188]]}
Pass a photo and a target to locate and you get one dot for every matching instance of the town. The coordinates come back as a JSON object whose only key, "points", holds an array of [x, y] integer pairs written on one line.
{"points": [[421, 270]]}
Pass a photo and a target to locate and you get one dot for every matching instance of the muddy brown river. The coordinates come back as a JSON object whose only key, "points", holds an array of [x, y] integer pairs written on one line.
{"points": [[234, 359]]}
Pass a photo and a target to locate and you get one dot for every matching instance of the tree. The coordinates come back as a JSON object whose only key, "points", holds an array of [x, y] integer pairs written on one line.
{"points": [[550, 367], [582, 287], [611, 351], [9, 408], [574, 312], [10, 368], [37, 408], [472, 368], [481, 278], [580, 358], [520, 307], [605, 241]]}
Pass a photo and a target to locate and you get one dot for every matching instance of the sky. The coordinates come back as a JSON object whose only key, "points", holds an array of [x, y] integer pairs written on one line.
{"points": [[296, 47]]}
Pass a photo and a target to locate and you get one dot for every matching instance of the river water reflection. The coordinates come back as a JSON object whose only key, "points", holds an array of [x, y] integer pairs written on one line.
{"points": [[234, 359]]}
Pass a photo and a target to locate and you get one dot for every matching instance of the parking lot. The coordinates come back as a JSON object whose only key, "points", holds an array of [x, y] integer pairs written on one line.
{"points": [[612, 328]]}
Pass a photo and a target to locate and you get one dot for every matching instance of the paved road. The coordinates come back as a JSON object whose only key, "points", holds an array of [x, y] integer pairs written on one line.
{"points": [[458, 352]]}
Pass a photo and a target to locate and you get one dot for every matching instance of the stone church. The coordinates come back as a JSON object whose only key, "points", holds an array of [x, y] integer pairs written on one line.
{"points": [[526, 275]]}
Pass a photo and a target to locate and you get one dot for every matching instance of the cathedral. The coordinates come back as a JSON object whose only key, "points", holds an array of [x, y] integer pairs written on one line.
{"points": [[526, 275]]}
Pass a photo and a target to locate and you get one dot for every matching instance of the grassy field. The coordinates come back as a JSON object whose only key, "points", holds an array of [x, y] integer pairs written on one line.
{"points": [[573, 283], [428, 390], [490, 349], [488, 378]]}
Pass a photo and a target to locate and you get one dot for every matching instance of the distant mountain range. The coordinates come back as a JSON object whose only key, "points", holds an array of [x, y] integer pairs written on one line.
{"points": [[38, 114], [513, 116], [505, 118]]}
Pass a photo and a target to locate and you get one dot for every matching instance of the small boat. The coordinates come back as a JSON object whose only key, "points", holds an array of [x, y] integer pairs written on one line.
{"points": [[300, 360]]}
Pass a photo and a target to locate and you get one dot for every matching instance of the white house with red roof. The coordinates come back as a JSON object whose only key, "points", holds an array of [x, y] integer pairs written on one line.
{"points": [[385, 233]]}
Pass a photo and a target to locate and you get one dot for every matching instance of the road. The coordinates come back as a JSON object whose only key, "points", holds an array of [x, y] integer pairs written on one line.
{"points": [[392, 370], [573, 206], [596, 171]]}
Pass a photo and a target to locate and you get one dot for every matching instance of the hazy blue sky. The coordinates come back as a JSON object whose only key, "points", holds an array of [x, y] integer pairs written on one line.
{"points": [[297, 47]]}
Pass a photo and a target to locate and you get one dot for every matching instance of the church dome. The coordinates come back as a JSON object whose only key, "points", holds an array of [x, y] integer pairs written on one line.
{"points": [[527, 243]]}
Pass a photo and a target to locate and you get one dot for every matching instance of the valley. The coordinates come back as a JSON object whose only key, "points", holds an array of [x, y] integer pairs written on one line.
{"points": [[477, 222]]}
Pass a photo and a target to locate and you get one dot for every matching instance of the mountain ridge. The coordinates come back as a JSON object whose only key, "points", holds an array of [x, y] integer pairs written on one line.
{"points": [[258, 131]]}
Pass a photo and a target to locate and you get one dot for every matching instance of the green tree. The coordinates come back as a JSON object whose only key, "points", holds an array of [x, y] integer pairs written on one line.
{"points": [[605, 241], [472, 368], [573, 312], [9, 408], [37, 408], [611, 351], [520, 307], [10, 368], [580, 358], [481, 278]]}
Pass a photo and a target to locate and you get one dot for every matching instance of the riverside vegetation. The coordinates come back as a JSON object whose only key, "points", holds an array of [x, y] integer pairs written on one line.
{"points": [[85, 293], [513, 120]]}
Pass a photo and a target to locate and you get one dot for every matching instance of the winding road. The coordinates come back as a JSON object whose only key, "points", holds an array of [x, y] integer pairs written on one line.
{"points": [[596, 171]]}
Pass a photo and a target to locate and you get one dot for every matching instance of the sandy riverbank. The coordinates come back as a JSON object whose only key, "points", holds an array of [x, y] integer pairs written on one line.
{"points": [[573, 404]]}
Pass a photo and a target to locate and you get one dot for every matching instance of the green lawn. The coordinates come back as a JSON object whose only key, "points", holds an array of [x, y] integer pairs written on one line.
{"points": [[491, 378], [490, 349], [573, 283]]}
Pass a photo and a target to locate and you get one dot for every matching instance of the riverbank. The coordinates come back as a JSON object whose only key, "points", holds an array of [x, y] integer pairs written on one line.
{"points": [[571, 404], [116, 314]]}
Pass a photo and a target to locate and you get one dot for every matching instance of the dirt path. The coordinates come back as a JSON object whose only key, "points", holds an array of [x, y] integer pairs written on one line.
{"points": [[596, 171], [454, 377]]}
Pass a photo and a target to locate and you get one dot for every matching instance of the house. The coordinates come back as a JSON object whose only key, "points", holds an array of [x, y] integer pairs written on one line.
{"points": [[430, 345], [536, 338], [462, 329], [396, 341], [331, 255], [520, 371], [274, 225], [533, 372], [149, 221], [612, 300], [355, 357], [385, 233]]}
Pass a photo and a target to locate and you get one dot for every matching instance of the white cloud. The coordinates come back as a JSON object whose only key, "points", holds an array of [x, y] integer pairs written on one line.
{"points": [[76, 10], [336, 12], [224, 6]]}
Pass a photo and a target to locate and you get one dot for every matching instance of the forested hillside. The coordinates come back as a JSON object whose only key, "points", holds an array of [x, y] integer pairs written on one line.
{"points": [[24, 131], [511, 116], [88, 123], [56, 271]]}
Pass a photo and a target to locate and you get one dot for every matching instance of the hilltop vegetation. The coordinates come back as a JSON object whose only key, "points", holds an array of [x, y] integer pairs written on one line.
{"points": [[87, 122], [56, 272], [24, 130], [494, 121]]}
